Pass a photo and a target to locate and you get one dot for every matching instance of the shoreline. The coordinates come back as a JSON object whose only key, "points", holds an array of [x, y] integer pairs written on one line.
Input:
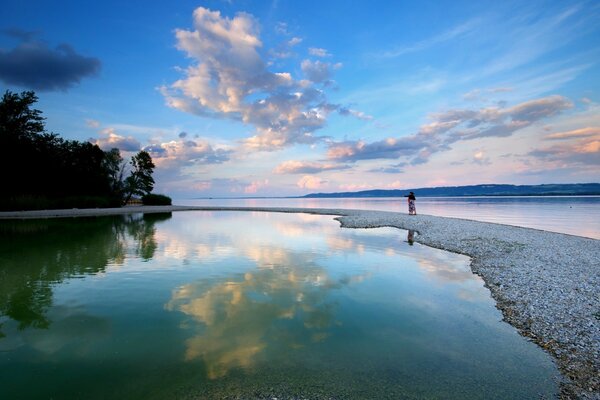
{"points": [[545, 284]]}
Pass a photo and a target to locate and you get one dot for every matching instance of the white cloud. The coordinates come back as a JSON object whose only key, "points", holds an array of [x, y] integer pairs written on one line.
{"points": [[110, 139], [229, 79]]}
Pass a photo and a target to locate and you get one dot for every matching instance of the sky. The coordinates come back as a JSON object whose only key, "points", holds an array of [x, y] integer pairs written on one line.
{"points": [[283, 98]]}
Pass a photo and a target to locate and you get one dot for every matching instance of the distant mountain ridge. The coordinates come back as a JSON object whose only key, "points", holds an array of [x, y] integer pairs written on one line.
{"points": [[572, 189]]}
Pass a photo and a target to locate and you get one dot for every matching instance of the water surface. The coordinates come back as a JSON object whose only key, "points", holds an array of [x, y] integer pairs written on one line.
{"points": [[575, 215], [208, 305]]}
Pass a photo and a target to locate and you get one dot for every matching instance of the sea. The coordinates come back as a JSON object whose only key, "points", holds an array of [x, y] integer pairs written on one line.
{"points": [[573, 215]]}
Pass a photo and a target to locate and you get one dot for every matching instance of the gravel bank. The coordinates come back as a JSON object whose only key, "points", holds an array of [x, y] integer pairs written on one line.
{"points": [[546, 284]]}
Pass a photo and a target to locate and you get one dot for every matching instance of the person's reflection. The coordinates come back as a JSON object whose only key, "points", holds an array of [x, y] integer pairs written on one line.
{"points": [[411, 237]]}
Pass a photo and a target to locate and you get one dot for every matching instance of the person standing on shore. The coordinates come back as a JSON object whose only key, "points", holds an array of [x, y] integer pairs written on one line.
{"points": [[412, 209]]}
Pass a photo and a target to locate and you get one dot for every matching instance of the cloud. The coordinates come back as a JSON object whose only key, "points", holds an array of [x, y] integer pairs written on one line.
{"points": [[318, 52], [449, 127], [352, 187], [455, 32], [480, 158], [305, 167], [92, 123], [575, 134], [583, 147], [392, 169], [175, 155], [358, 114], [229, 79], [110, 139], [256, 186], [311, 182], [34, 65], [294, 41], [390, 148], [479, 94], [318, 71]]}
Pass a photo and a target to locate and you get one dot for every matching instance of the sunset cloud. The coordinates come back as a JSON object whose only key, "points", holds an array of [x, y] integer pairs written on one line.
{"points": [[311, 182], [575, 134], [583, 148], [110, 139], [306, 167], [450, 127]]}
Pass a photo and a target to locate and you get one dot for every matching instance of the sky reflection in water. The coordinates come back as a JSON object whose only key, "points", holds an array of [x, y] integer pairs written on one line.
{"points": [[238, 303]]}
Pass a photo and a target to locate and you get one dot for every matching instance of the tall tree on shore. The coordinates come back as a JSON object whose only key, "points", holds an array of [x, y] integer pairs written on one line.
{"points": [[140, 181]]}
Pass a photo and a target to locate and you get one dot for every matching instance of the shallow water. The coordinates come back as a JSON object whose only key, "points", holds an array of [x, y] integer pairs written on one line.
{"points": [[200, 304], [575, 215]]}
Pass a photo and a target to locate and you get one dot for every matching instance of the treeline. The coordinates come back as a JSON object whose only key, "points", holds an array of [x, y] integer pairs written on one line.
{"points": [[40, 170]]}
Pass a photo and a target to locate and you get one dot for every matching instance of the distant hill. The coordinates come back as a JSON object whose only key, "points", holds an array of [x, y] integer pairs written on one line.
{"points": [[575, 189]]}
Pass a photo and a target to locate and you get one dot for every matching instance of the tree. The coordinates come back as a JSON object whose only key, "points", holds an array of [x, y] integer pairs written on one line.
{"points": [[115, 169], [17, 119], [140, 181]]}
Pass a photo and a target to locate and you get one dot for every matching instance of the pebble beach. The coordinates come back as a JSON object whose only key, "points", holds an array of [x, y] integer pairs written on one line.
{"points": [[546, 284]]}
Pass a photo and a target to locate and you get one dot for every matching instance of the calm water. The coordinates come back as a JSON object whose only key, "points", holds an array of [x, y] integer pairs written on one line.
{"points": [[576, 215], [205, 305]]}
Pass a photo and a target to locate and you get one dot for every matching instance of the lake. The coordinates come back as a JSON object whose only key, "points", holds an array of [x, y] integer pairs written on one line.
{"points": [[248, 305], [575, 215]]}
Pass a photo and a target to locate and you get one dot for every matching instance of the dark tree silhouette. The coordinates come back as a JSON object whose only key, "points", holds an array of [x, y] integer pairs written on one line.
{"points": [[140, 181], [41, 170]]}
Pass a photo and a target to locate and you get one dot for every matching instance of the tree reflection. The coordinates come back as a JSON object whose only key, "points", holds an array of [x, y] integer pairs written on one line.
{"points": [[272, 309], [37, 254]]}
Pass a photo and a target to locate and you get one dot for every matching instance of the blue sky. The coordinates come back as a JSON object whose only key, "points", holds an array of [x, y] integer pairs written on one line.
{"points": [[260, 98]]}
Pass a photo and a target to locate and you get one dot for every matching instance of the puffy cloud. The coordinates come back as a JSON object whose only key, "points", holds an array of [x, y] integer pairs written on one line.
{"points": [[256, 186], [480, 158], [175, 155], [311, 182], [318, 71], [110, 139], [229, 79], [294, 41], [34, 65], [449, 127], [306, 167]]}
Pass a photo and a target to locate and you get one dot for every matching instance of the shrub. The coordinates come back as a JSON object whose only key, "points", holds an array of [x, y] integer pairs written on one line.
{"points": [[156, 200], [32, 202]]}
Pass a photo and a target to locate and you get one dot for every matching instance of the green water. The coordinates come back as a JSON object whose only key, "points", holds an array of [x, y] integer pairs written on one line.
{"points": [[248, 305]]}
